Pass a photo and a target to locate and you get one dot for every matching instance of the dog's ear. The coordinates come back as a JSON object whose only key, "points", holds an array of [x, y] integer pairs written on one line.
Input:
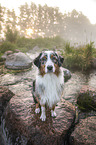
{"points": [[37, 60], [61, 60]]}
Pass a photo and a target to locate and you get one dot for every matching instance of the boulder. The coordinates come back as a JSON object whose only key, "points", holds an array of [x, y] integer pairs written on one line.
{"points": [[36, 48], [18, 61], [67, 74], [85, 132], [22, 126], [4, 56], [5, 96]]}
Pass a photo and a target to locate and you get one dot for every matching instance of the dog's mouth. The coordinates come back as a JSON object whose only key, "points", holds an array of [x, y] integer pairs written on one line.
{"points": [[49, 69]]}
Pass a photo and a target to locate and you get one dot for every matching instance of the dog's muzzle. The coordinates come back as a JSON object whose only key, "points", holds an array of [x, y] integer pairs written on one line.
{"points": [[49, 68]]}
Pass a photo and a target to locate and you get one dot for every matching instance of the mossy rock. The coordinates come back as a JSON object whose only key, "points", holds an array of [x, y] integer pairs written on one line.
{"points": [[87, 101]]}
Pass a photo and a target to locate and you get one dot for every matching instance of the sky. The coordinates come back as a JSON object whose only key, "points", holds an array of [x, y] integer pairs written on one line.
{"points": [[87, 7]]}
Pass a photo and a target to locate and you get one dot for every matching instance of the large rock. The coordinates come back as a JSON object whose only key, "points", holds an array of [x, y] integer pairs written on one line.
{"points": [[85, 132], [67, 74], [18, 61], [5, 96], [22, 126], [36, 48]]}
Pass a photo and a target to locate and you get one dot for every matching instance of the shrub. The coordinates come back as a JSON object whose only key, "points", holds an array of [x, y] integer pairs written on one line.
{"points": [[68, 48], [40, 42], [7, 46], [79, 58], [86, 101], [11, 35]]}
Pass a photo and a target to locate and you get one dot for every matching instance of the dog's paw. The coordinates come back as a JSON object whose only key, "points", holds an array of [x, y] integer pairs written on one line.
{"points": [[43, 117], [37, 110], [53, 113]]}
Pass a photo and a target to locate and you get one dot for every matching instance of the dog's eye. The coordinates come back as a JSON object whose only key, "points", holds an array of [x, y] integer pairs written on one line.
{"points": [[54, 60], [43, 60]]}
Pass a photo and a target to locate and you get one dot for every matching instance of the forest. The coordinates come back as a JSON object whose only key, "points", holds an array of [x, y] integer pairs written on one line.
{"points": [[36, 21]]}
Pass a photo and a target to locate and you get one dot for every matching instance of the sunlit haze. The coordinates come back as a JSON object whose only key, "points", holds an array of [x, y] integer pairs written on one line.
{"points": [[87, 7]]}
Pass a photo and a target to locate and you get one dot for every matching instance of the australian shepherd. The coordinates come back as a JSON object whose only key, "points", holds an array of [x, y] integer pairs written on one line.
{"points": [[49, 83]]}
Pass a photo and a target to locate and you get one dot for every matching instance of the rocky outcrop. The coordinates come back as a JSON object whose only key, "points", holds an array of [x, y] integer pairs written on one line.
{"points": [[18, 61], [5, 96], [22, 126], [85, 132], [67, 74]]}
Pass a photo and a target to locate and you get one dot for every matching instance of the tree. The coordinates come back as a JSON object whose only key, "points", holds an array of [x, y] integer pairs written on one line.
{"points": [[11, 19], [2, 11], [11, 35], [24, 19]]}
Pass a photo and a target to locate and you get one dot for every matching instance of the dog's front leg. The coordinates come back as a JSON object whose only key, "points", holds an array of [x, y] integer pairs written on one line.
{"points": [[53, 113], [37, 110], [43, 114]]}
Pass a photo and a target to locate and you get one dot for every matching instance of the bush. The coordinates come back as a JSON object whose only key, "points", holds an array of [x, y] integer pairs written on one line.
{"points": [[40, 42], [86, 101], [11, 35], [79, 58], [7, 46], [68, 48]]}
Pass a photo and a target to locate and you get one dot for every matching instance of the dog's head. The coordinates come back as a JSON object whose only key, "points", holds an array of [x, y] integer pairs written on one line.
{"points": [[48, 62]]}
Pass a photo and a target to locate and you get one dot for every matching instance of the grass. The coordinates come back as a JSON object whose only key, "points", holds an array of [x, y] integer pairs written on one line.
{"points": [[46, 42], [79, 58], [86, 101]]}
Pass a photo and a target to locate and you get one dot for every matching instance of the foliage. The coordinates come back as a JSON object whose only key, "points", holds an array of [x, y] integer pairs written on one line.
{"points": [[86, 101], [2, 11], [11, 19], [11, 35], [68, 48], [7, 46], [40, 42], [79, 58], [48, 21]]}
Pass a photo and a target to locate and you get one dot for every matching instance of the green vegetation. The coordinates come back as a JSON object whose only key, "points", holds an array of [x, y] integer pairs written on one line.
{"points": [[37, 20], [86, 101], [79, 58], [38, 26], [46, 42], [11, 35], [6, 46]]}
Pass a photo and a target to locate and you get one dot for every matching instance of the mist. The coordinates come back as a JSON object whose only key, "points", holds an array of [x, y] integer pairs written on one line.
{"points": [[44, 21]]}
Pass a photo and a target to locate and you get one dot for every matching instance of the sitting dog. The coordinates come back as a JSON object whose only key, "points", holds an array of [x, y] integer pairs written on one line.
{"points": [[49, 83]]}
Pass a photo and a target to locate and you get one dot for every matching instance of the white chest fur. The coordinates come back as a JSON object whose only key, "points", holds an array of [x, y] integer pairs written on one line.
{"points": [[50, 88]]}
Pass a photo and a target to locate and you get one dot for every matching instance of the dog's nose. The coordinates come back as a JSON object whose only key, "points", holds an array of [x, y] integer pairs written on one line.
{"points": [[50, 67]]}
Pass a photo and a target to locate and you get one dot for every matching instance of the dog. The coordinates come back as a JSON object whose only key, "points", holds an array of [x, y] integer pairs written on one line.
{"points": [[49, 83]]}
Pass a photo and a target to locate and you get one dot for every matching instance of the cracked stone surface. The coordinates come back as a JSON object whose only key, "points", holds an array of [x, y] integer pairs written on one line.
{"points": [[23, 123], [85, 132]]}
